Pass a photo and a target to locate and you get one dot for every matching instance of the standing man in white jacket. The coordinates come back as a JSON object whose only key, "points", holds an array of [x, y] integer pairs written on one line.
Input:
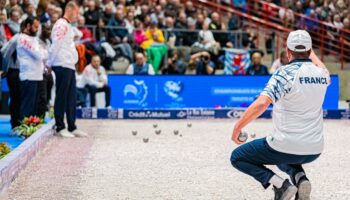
{"points": [[30, 57], [62, 58]]}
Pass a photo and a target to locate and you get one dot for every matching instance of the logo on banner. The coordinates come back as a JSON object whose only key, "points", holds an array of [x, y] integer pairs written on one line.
{"points": [[234, 114], [148, 114], [345, 114], [173, 90], [86, 113], [136, 93]]}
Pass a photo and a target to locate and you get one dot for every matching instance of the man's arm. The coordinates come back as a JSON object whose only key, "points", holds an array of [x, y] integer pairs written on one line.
{"points": [[279, 85], [254, 111]]}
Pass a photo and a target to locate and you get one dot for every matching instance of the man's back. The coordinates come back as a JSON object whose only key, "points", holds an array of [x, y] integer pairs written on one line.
{"points": [[298, 90]]}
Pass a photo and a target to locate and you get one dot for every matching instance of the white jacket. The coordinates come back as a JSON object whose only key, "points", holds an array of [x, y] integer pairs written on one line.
{"points": [[62, 51], [30, 56], [92, 78], [7, 52]]}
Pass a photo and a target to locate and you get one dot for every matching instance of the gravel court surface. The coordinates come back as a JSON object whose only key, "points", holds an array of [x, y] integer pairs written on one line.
{"points": [[114, 164]]}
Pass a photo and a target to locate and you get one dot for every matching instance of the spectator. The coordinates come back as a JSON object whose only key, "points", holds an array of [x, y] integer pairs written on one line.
{"points": [[158, 14], [96, 80], [30, 56], [62, 58], [10, 66], [13, 4], [207, 40], [140, 67], [130, 22], [154, 46], [93, 14], [286, 15], [182, 21], [45, 86], [346, 24], [207, 19], [191, 35], [234, 22], [189, 8], [144, 12], [140, 34], [119, 33], [312, 6], [199, 21], [257, 68], [4, 33], [55, 16], [311, 24], [81, 89], [14, 21], [217, 26], [337, 22], [86, 32], [172, 8], [107, 14], [175, 64], [282, 60], [248, 38], [29, 11], [172, 38], [299, 7], [118, 36], [202, 64], [108, 4], [3, 9]]}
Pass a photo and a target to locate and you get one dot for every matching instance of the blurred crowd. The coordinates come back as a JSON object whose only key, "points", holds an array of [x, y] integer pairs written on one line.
{"points": [[114, 29]]}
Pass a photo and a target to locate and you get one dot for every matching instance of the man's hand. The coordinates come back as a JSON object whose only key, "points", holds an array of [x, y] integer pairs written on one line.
{"points": [[49, 69], [235, 135], [98, 71], [125, 40], [3, 74], [253, 111]]}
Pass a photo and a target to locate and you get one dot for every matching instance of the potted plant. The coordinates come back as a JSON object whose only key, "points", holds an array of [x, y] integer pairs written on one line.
{"points": [[28, 126], [4, 149]]}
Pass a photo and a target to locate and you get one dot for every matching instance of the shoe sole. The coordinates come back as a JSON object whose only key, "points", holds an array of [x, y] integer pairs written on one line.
{"points": [[81, 136], [66, 136], [304, 190], [289, 193]]}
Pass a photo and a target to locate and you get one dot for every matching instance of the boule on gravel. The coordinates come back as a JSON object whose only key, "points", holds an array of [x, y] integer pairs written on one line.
{"points": [[145, 140]]}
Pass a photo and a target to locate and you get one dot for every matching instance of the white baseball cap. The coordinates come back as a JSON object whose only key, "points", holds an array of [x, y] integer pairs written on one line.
{"points": [[299, 38]]}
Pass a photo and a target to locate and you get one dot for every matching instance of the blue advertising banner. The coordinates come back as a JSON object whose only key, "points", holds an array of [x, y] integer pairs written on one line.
{"points": [[175, 114], [164, 92]]}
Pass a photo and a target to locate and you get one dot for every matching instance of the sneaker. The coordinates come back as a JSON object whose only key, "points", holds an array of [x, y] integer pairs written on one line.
{"points": [[64, 133], [304, 189], [79, 133], [286, 192]]}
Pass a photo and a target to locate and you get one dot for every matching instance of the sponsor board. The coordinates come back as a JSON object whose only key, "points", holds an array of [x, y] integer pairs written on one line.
{"points": [[235, 113]]}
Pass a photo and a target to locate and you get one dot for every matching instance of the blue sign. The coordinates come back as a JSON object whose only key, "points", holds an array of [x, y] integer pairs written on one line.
{"points": [[167, 114], [164, 92]]}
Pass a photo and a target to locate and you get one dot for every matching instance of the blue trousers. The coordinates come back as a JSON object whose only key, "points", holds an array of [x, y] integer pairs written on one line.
{"points": [[29, 98], [65, 101], [251, 157]]}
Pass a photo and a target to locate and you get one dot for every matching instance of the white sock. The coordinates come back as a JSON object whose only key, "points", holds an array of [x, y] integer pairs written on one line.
{"points": [[276, 181], [298, 176]]}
